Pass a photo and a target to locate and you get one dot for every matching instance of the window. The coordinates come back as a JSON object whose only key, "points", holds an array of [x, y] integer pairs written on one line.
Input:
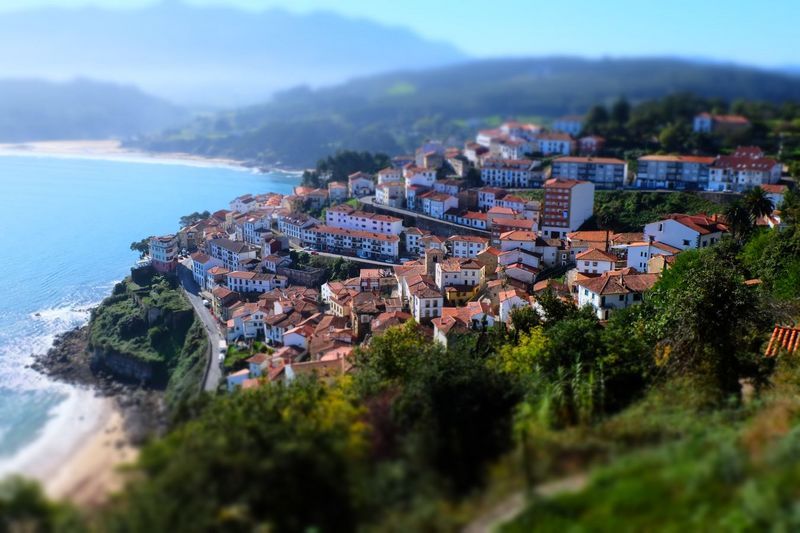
{"points": [[686, 242]]}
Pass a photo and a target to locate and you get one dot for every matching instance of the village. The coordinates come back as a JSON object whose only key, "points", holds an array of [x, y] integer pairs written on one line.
{"points": [[440, 249]]}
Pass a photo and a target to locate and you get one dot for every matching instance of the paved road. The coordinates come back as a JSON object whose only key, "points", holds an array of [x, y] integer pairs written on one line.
{"points": [[213, 372], [370, 201], [353, 258]]}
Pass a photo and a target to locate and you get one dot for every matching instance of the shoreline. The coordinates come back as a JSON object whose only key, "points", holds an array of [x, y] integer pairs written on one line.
{"points": [[113, 151]]}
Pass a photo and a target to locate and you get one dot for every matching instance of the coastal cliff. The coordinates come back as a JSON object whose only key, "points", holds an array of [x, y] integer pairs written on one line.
{"points": [[142, 345]]}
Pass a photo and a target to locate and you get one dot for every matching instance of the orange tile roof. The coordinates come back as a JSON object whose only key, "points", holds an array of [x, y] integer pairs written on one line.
{"points": [[783, 338]]}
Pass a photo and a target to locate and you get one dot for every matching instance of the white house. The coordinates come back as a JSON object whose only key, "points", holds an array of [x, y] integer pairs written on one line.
{"points": [[164, 252], [613, 291], [390, 175], [555, 143], [390, 193], [346, 217], [232, 254], [364, 244], [639, 253], [201, 264], [455, 272], [510, 300], [466, 246], [360, 184], [511, 173], [426, 301], [254, 282], [745, 169], [604, 172], [594, 261], [686, 231], [436, 204]]}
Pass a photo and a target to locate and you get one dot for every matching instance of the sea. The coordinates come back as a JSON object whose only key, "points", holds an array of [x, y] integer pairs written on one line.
{"points": [[66, 224]]}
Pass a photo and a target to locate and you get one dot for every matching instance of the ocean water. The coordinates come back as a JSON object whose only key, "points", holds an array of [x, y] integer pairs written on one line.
{"points": [[65, 229]]}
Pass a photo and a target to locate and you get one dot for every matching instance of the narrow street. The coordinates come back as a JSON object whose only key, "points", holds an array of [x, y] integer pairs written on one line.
{"points": [[213, 373]]}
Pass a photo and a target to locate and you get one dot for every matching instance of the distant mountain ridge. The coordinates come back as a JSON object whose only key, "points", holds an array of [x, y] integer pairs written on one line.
{"points": [[207, 55], [35, 110], [393, 112]]}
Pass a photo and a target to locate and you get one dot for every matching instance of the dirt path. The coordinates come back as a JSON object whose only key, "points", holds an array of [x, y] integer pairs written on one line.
{"points": [[513, 505]]}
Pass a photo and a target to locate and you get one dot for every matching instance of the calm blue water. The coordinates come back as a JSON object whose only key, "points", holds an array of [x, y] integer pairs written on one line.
{"points": [[65, 228]]}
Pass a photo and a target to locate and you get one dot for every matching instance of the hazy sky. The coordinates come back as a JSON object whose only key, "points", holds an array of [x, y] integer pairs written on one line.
{"points": [[745, 31]]}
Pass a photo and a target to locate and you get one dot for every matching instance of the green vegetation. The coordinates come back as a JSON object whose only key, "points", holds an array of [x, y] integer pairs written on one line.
{"points": [[631, 210], [193, 218], [336, 269], [339, 166], [24, 507], [146, 331], [381, 114]]}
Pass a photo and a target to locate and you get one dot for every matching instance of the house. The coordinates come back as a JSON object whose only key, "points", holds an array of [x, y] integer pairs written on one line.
{"points": [[246, 321], [337, 191], [422, 177], [360, 184], [164, 253], [604, 172], [719, 124], [674, 172], [591, 145], [640, 253], [413, 236], [518, 239], [426, 302], [510, 300], [571, 124], [501, 225], [659, 263], [387, 320], [775, 193], [520, 273], [460, 279], [364, 244], [510, 173], [222, 300], [390, 193], [436, 204], [451, 186], [201, 264], [594, 261], [390, 175], [253, 282], [555, 143], [294, 226], [686, 231], [489, 196], [745, 169], [613, 290], [346, 217], [568, 203], [232, 254], [466, 246], [455, 321]]}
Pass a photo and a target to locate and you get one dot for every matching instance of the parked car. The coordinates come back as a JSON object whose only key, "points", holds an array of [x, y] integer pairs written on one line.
{"points": [[206, 303]]}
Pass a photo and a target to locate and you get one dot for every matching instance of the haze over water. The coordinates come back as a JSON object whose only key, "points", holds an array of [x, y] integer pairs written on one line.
{"points": [[65, 230]]}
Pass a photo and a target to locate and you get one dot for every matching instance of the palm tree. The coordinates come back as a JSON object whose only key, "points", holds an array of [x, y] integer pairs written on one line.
{"points": [[737, 216], [758, 204]]}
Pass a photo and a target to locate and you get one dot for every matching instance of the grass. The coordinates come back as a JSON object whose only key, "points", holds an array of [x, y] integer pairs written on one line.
{"points": [[679, 460]]}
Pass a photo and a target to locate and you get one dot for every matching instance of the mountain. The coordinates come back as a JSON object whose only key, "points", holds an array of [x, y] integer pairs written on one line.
{"points": [[207, 55], [82, 109], [393, 112]]}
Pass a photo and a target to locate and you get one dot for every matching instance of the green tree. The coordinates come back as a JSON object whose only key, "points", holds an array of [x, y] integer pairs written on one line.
{"points": [[193, 218], [143, 247], [739, 219], [24, 507], [758, 203]]}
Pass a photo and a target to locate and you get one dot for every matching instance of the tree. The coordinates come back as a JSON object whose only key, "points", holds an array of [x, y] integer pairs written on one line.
{"points": [[143, 247], [738, 217], [193, 218], [620, 112], [758, 204], [525, 318], [24, 507], [674, 137], [704, 319], [596, 120]]}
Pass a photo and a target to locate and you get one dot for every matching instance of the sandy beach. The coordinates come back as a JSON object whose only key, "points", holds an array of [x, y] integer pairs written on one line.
{"points": [[108, 150], [90, 473], [78, 455]]}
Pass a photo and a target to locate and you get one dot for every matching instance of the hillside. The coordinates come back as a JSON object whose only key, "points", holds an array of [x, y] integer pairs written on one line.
{"points": [[39, 110], [393, 112], [201, 55]]}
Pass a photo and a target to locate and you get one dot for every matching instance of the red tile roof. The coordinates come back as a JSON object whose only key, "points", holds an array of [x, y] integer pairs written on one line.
{"points": [[783, 338]]}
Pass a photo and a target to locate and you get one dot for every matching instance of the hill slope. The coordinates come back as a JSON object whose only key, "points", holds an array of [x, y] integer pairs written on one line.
{"points": [[393, 112], [33, 110], [207, 55]]}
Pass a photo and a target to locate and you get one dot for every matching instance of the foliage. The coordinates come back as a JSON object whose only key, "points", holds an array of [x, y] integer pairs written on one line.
{"points": [[143, 247], [339, 166], [24, 507], [631, 210], [193, 218]]}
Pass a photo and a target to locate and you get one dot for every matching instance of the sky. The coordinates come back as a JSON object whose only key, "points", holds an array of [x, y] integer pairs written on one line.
{"points": [[751, 32]]}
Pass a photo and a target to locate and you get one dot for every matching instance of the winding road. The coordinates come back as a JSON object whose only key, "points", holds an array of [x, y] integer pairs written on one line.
{"points": [[213, 373]]}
